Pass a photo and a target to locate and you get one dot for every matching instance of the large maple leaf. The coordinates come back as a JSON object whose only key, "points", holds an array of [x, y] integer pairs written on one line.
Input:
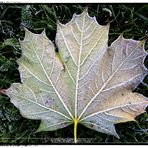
{"points": [[91, 84]]}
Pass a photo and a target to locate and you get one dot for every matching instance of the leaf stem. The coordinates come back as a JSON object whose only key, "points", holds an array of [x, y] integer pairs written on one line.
{"points": [[75, 130]]}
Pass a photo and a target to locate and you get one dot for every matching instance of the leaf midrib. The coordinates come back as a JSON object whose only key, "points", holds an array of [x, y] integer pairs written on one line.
{"points": [[51, 81], [101, 89], [78, 69], [42, 106]]}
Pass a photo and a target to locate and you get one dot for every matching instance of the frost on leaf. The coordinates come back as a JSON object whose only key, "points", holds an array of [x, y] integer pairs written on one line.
{"points": [[94, 87]]}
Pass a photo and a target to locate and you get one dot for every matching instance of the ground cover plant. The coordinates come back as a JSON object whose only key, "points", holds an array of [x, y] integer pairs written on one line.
{"points": [[37, 17]]}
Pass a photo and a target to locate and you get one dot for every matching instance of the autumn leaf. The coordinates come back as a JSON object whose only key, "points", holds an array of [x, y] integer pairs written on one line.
{"points": [[88, 83]]}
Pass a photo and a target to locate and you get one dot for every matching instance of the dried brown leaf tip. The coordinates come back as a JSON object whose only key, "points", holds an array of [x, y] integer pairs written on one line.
{"points": [[2, 91]]}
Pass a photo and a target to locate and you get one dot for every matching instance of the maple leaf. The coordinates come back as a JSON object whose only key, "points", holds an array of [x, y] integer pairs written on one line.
{"points": [[90, 84]]}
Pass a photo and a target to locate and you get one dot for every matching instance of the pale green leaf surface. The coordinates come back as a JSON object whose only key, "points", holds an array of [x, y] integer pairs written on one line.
{"points": [[95, 84]]}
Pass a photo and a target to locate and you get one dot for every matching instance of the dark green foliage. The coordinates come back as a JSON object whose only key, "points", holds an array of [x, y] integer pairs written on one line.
{"points": [[129, 19]]}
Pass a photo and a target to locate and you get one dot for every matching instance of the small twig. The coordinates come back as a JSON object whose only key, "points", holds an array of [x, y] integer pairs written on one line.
{"points": [[2, 91]]}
